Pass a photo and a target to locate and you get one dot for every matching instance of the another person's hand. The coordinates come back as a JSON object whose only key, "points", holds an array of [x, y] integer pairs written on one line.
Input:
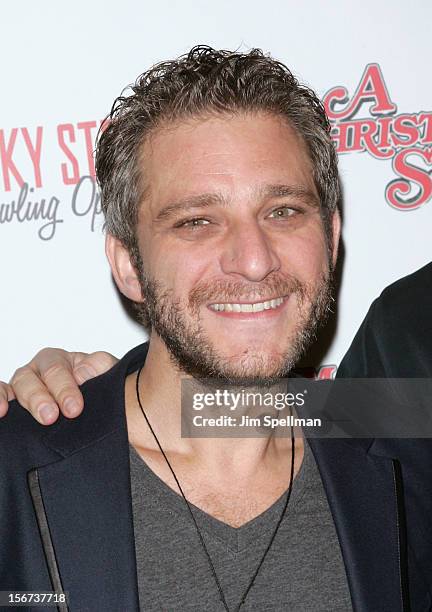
{"points": [[49, 383]]}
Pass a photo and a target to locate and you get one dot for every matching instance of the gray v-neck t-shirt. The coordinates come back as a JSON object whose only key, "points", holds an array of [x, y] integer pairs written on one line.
{"points": [[303, 570]]}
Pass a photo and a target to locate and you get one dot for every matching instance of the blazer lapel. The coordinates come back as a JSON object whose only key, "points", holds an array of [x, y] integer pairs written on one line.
{"points": [[87, 501], [361, 491]]}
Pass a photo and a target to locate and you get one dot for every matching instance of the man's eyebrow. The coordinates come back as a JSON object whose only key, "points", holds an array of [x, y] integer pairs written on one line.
{"points": [[297, 192], [213, 199], [189, 203]]}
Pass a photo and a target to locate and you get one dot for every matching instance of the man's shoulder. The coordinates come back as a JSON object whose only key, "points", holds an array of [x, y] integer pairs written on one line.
{"points": [[395, 338], [19, 422], [24, 442], [407, 297], [402, 309], [21, 435], [21, 441]]}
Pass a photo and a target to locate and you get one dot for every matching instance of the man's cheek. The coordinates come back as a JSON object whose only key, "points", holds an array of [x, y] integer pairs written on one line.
{"points": [[308, 257], [302, 267]]}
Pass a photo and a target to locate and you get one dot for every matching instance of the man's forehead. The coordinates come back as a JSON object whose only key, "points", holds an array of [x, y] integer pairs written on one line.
{"points": [[218, 158], [212, 139]]}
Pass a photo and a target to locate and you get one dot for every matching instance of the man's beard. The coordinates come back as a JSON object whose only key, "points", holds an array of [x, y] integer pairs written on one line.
{"points": [[193, 353]]}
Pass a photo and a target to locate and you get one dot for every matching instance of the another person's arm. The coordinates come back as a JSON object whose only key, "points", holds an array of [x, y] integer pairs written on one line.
{"points": [[49, 383]]}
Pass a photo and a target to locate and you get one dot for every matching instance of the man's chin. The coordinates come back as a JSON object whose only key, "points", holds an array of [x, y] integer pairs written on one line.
{"points": [[257, 380], [250, 371]]}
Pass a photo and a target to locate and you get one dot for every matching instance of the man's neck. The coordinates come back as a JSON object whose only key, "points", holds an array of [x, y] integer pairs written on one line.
{"points": [[232, 479], [160, 393]]}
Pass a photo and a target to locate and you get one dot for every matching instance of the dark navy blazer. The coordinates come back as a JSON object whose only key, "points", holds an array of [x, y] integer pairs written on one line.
{"points": [[66, 513]]}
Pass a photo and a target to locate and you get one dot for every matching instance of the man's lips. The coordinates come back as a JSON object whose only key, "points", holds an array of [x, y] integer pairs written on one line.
{"points": [[249, 310]]}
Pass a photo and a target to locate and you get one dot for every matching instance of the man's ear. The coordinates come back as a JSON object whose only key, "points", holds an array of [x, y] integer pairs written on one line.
{"points": [[123, 271], [336, 232]]}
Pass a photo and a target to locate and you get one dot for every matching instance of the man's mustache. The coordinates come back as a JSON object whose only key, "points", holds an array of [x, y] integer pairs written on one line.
{"points": [[232, 292]]}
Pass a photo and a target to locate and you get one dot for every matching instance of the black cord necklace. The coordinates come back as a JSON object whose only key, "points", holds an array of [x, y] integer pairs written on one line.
{"points": [[210, 562]]}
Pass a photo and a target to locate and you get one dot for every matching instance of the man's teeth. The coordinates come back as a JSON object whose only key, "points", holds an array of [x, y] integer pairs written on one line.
{"points": [[257, 307]]}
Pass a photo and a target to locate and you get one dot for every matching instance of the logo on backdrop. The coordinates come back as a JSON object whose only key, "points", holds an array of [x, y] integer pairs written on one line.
{"points": [[368, 121], [323, 372], [24, 167]]}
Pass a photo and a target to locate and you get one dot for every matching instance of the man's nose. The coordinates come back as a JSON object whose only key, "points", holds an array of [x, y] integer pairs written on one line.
{"points": [[249, 252]]}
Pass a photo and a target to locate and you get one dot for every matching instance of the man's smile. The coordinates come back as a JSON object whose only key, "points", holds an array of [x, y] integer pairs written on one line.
{"points": [[244, 309]]}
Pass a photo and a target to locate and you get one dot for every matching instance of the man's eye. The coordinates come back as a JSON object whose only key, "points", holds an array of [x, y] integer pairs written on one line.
{"points": [[282, 213], [192, 223]]}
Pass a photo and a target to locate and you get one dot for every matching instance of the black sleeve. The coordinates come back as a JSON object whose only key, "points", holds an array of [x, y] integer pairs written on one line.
{"points": [[364, 358], [395, 339]]}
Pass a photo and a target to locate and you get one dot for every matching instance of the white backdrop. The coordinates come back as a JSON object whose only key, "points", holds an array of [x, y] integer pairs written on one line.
{"points": [[63, 65]]}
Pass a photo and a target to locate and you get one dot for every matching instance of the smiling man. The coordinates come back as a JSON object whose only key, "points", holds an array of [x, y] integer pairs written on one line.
{"points": [[230, 243], [219, 186]]}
